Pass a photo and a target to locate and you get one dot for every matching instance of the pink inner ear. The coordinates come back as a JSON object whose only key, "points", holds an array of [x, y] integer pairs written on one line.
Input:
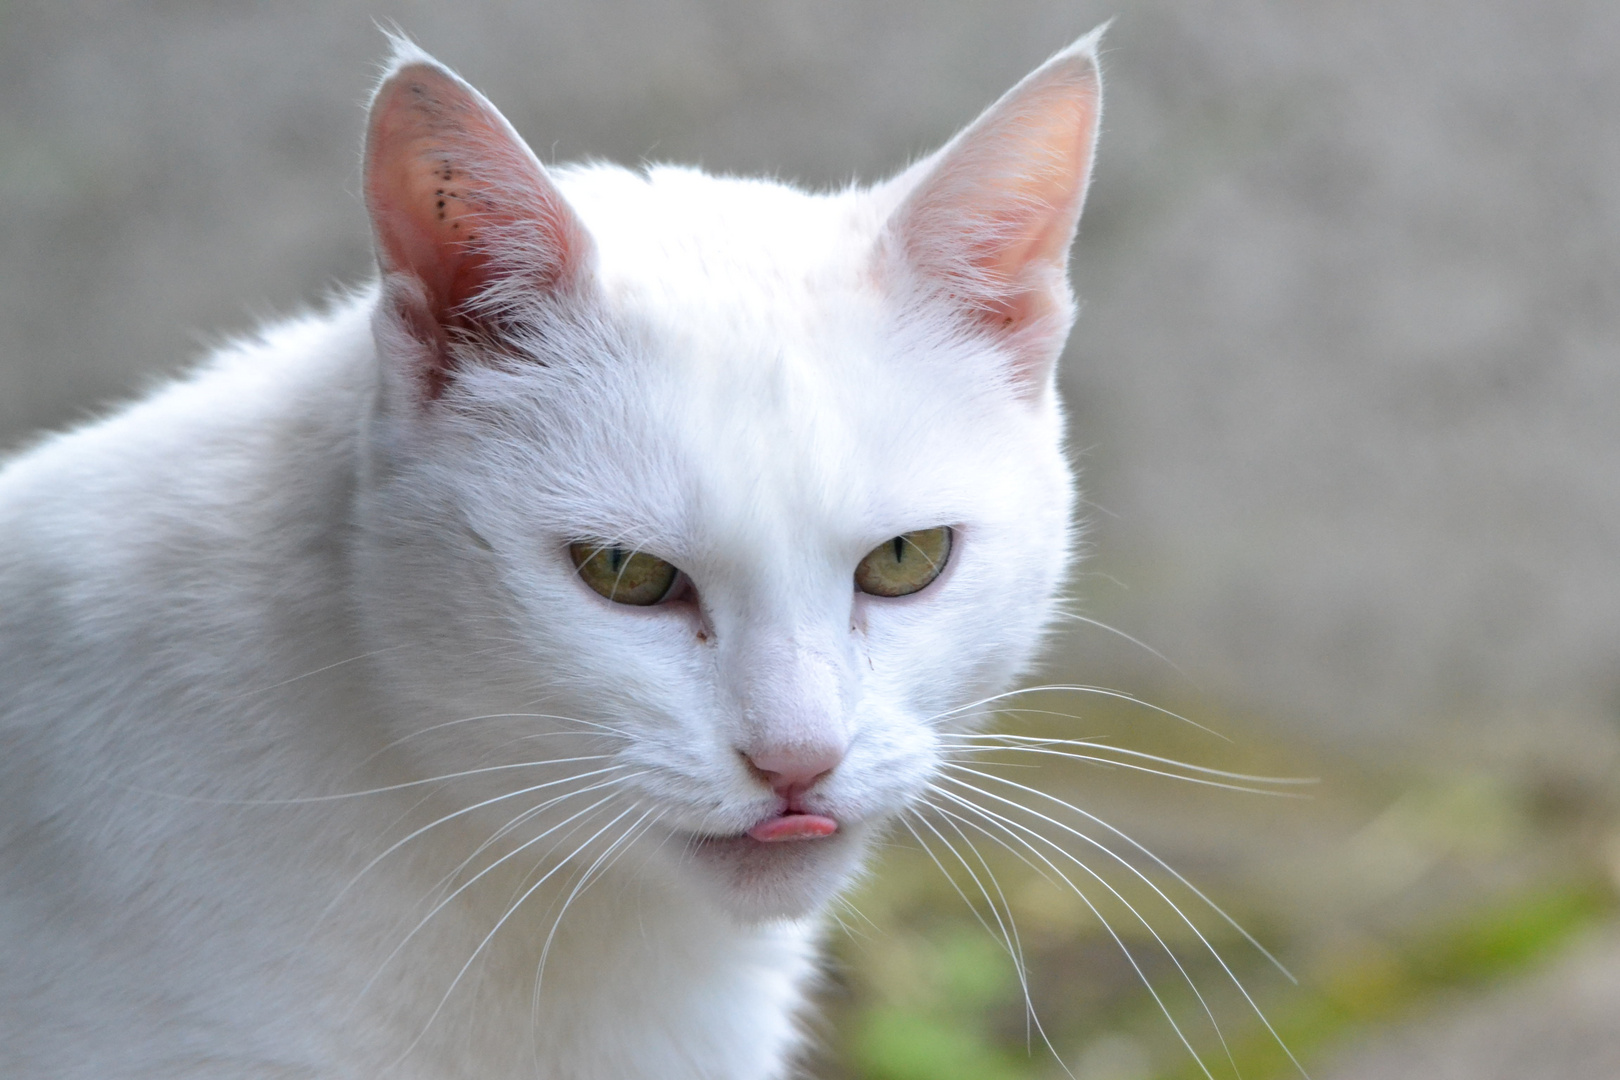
{"points": [[457, 200], [992, 217], [1032, 214]]}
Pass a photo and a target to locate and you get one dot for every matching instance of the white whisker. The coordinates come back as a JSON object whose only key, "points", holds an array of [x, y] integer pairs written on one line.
{"points": [[583, 883], [1000, 930], [608, 857], [1160, 863], [1078, 688], [401, 786], [1009, 931], [1136, 872], [1009, 826], [512, 825], [510, 911], [474, 880], [1100, 760], [313, 672], [495, 716], [1043, 741], [1100, 625], [1132, 767], [463, 811]]}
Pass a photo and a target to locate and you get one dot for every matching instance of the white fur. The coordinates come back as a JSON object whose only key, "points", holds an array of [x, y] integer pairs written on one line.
{"points": [[244, 621]]}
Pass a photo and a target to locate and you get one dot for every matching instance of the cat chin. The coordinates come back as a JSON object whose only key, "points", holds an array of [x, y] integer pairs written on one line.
{"points": [[758, 882]]}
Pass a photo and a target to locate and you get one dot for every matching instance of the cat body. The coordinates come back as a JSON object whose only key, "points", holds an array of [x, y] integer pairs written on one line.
{"points": [[319, 755]]}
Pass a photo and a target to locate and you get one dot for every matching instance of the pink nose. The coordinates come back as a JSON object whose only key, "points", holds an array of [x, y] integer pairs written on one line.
{"points": [[793, 770]]}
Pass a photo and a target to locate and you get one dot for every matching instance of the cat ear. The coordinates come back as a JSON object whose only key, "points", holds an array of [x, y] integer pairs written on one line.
{"points": [[465, 220], [987, 221]]}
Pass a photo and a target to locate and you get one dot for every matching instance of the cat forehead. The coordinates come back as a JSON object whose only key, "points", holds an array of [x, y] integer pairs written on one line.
{"points": [[748, 290], [772, 383], [714, 240], [754, 304]]}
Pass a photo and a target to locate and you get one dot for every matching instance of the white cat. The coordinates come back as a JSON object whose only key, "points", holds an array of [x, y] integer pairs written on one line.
{"points": [[497, 676]]}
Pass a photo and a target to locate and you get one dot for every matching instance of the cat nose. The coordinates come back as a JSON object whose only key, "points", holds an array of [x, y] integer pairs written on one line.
{"points": [[793, 770]]}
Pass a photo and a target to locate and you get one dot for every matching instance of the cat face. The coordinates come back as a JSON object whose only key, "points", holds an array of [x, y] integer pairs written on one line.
{"points": [[636, 436]]}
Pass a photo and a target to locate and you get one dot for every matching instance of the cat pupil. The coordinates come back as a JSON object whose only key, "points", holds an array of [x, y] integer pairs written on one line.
{"points": [[899, 549]]}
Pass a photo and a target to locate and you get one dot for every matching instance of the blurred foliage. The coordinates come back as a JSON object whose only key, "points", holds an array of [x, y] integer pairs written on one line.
{"points": [[1380, 888]]}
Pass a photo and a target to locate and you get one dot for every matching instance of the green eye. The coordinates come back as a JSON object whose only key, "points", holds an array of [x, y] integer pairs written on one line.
{"points": [[622, 575], [905, 564]]}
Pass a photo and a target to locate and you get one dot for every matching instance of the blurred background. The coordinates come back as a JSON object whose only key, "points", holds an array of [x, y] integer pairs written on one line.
{"points": [[1345, 394]]}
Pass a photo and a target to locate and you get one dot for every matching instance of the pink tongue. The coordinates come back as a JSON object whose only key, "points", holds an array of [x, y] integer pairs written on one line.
{"points": [[793, 827]]}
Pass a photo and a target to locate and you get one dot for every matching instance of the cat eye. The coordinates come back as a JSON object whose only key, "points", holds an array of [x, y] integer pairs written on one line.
{"points": [[623, 575], [904, 564]]}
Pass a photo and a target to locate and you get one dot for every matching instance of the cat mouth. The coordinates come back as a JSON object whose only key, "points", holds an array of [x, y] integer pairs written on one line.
{"points": [[783, 866], [787, 827]]}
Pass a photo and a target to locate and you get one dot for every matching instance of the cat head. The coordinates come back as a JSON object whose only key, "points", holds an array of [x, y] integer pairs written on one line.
{"points": [[697, 507]]}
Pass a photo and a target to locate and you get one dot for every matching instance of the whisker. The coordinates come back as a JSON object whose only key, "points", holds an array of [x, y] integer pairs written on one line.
{"points": [[513, 824], [844, 903], [1160, 863], [1097, 759], [458, 813], [1040, 741], [1100, 691], [310, 674], [580, 886], [1135, 871], [1017, 955], [1100, 625], [620, 845], [494, 716], [1008, 939], [464, 886], [1149, 771], [946, 874], [401, 786], [1009, 826], [477, 806], [510, 911], [1009, 930]]}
